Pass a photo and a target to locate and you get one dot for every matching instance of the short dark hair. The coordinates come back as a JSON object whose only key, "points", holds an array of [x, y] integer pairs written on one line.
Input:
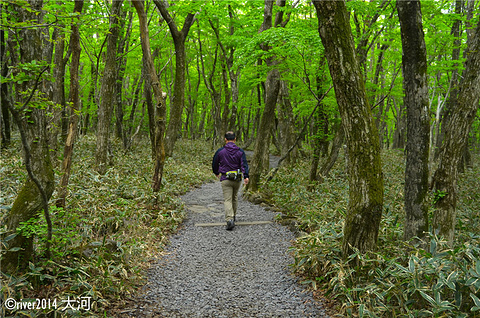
{"points": [[230, 135]]}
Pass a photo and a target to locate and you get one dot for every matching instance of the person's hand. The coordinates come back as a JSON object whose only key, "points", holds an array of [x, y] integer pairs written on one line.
{"points": [[245, 181], [218, 175]]}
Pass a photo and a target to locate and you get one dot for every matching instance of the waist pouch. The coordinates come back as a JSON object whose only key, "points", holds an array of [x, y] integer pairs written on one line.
{"points": [[234, 175]]}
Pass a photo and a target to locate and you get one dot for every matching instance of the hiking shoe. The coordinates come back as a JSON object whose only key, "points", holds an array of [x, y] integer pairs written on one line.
{"points": [[230, 225]]}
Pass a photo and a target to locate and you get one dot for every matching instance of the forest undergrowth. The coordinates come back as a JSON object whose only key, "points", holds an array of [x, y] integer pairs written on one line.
{"points": [[113, 226], [400, 279], [111, 229]]}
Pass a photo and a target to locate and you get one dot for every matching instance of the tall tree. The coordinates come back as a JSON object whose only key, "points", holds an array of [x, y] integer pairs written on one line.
{"points": [[151, 80], [415, 82], [5, 96], [107, 91], [452, 99], [272, 88], [364, 165], [74, 104], [31, 121], [176, 109], [456, 134], [123, 46]]}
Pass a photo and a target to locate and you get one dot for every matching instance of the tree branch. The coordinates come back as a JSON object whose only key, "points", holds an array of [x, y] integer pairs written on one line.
{"points": [[300, 135]]}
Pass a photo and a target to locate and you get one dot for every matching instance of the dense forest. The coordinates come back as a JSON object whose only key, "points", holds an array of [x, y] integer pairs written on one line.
{"points": [[111, 109]]}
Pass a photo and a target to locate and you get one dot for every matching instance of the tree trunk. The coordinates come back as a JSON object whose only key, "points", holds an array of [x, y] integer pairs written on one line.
{"points": [[176, 109], [452, 100], [218, 128], [364, 166], [91, 99], [286, 124], [151, 80], [75, 104], [414, 63], [320, 130], [399, 133], [107, 92], [332, 158], [31, 122], [58, 96], [456, 134], [272, 88], [122, 47], [5, 95]]}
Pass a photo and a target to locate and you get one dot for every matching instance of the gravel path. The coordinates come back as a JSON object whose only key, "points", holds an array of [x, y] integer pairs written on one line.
{"points": [[211, 272]]}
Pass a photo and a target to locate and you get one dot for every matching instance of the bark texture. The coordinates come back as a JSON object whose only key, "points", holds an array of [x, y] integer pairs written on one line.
{"points": [[272, 88], [151, 80], [179, 36], [415, 83], [456, 134], [364, 165], [32, 123], [75, 106], [107, 92]]}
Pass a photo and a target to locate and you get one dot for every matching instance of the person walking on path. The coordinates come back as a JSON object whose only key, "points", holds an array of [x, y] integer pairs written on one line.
{"points": [[228, 164]]}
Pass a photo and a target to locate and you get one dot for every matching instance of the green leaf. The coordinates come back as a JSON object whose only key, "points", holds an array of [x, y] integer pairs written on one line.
{"points": [[411, 266], [428, 298], [476, 300], [361, 310], [450, 282], [10, 237]]}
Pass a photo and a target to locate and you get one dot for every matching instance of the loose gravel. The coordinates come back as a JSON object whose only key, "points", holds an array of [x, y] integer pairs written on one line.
{"points": [[211, 272]]}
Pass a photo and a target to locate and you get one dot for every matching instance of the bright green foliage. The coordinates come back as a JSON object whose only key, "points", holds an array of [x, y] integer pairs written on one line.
{"points": [[111, 226], [399, 280], [112, 223]]}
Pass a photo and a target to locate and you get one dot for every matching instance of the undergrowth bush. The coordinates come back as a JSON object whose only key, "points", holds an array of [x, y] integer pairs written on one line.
{"points": [[112, 226], [399, 279]]}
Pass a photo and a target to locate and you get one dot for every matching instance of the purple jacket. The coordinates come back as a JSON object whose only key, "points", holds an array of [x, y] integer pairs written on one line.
{"points": [[228, 158]]}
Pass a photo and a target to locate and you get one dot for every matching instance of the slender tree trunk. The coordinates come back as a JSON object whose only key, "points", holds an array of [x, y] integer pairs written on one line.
{"points": [[5, 95], [332, 158], [152, 80], [286, 124], [452, 99], [107, 92], [272, 88], [456, 134], [75, 105], [91, 99], [218, 128], [122, 47], [414, 61], [136, 94], [364, 165], [58, 97], [399, 133], [176, 109]]}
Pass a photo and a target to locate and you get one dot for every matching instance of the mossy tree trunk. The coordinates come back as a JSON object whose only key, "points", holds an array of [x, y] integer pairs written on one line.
{"points": [[415, 83], [455, 140], [32, 123], [364, 165]]}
